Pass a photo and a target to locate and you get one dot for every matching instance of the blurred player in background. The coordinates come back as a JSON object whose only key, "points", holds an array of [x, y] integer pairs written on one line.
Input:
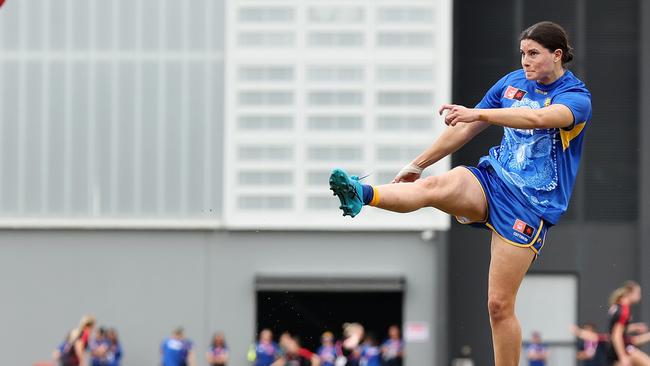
{"points": [[218, 354], [177, 350], [114, 347], [591, 346], [393, 348], [622, 350], [99, 347], [536, 351], [370, 352], [519, 189], [266, 351], [349, 349], [72, 352], [327, 351]]}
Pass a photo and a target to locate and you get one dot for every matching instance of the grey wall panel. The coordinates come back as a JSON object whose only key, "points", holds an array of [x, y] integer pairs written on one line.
{"points": [[82, 25], [112, 109], [56, 22], [198, 154], [9, 24], [10, 136], [196, 29], [142, 283], [53, 160], [100, 125], [175, 141], [214, 149], [175, 24], [123, 168], [32, 157], [644, 158], [217, 20], [146, 283], [78, 169]]}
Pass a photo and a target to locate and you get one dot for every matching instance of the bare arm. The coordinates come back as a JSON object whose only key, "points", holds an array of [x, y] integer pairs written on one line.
{"points": [[452, 139], [637, 328], [619, 345], [210, 357], [585, 335], [641, 339], [553, 116], [79, 351], [315, 360], [191, 361], [535, 355], [583, 355], [223, 358]]}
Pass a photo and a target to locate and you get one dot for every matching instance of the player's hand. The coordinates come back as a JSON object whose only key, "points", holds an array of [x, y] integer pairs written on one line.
{"points": [[458, 114], [624, 361], [409, 173], [641, 327]]}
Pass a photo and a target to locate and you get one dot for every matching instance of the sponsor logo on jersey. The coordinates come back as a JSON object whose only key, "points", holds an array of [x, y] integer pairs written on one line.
{"points": [[547, 102], [522, 227], [514, 93]]}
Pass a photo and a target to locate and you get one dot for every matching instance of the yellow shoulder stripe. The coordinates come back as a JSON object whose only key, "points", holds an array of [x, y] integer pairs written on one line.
{"points": [[567, 136]]}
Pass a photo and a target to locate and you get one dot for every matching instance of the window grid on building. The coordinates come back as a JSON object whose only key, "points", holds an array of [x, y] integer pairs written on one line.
{"points": [[338, 94]]}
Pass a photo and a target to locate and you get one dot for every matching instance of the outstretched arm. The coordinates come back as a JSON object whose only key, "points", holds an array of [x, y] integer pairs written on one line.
{"points": [[637, 328], [553, 116], [583, 334], [452, 139], [641, 339]]}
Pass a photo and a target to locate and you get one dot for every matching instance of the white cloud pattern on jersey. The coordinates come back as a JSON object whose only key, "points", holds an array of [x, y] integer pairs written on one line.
{"points": [[529, 157]]}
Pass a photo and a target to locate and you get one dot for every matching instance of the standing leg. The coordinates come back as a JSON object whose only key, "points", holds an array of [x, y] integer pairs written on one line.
{"points": [[508, 266]]}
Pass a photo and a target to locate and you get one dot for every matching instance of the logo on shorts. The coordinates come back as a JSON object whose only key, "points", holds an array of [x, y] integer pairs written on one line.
{"points": [[514, 93], [523, 228]]}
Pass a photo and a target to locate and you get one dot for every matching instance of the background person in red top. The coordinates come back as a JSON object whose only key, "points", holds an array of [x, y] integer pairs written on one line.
{"points": [[73, 351], [622, 352]]}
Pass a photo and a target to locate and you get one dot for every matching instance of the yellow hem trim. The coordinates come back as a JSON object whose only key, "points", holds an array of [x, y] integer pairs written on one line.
{"points": [[539, 230], [375, 197]]}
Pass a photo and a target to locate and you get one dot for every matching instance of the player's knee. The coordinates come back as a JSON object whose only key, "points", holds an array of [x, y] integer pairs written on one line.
{"points": [[499, 307], [428, 183]]}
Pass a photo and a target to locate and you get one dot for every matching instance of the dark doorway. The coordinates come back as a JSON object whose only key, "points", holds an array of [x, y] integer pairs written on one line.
{"points": [[309, 314]]}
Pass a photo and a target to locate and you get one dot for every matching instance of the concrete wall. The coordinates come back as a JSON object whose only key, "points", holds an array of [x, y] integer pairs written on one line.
{"points": [[147, 282]]}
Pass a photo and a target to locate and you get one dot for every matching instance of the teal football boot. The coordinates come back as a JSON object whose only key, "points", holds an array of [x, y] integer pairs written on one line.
{"points": [[349, 191]]}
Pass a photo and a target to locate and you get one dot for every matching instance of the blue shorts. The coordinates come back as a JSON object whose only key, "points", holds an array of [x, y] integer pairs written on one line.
{"points": [[507, 216]]}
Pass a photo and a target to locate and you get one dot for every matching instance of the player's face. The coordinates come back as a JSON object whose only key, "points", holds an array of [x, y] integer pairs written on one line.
{"points": [[635, 296], [266, 336], [537, 61]]}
